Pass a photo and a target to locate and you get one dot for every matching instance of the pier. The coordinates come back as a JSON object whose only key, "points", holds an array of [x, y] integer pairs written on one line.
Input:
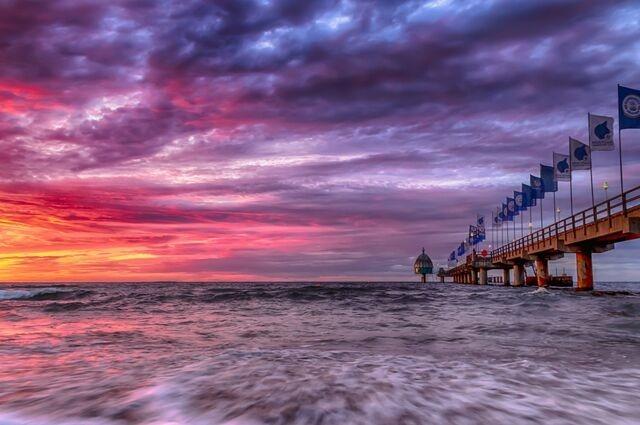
{"points": [[594, 230]]}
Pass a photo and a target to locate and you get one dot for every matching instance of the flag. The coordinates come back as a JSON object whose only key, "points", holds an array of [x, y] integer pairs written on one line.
{"points": [[497, 222], [452, 256], [527, 193], [481, 229], [537, 189], [521, 205], [548, 182], [461, 250], [580, 155], [511, 207], [473, 234], [505, 213], [561, 167], [600, 133], [628, 107]]}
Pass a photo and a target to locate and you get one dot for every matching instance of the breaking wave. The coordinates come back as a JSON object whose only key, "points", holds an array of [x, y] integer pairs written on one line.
{"points": [[43, 294]]}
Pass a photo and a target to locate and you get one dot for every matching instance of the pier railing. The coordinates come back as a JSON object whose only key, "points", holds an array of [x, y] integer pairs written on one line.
{"points": [[600, 215]]}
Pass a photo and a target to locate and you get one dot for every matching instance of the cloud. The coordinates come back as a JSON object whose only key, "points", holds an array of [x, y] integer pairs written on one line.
{"points": [[201, 132]]}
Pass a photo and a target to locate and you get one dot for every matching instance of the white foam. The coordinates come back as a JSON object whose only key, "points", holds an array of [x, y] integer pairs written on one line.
{"points": [[21, 294], [540, 290], [298, 388]]}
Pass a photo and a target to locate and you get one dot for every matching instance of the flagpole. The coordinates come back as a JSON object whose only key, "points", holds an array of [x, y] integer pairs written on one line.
{"points": [[514, 228], [493, 223], [620, 142], [571, 190], [593, 202], [521, 227], [541, 221], [571, 176], [508, 225], [554, 207], [530, 216]]}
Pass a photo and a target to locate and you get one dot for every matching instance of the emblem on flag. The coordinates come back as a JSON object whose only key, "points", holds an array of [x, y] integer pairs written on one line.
{"points": [[580, 155], [601, 133], [561, 167], [511, 207], [519, 200], [628, 107], [631, 106]]}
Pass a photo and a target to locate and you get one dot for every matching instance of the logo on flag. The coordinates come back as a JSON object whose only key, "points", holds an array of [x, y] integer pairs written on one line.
{"points": [[631, 106], [561, 167], [519, 199], [580, 155], [528, 196], [537, 190], [628, 107], [511, 207], [601, 133], [505, 213]]}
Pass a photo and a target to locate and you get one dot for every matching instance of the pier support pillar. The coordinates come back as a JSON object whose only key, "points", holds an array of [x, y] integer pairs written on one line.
{"points": [[473, 274], [518, 275], [505, 277], [483, 276], [542, 272], [585, 270]]}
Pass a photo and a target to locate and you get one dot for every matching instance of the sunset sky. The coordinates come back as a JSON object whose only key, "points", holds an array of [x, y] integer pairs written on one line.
{"points": [[289, 139]]}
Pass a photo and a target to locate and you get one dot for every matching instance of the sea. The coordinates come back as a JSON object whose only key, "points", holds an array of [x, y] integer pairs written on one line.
{"points": [[318, 353]]}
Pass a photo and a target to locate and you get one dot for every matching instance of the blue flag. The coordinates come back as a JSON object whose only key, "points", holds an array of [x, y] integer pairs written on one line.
{"points": [[505, 213], [452, 256], [527, 193], [537, 187], [473, 235], [511, 207], [497, 221], [461, 250], [549, 183], [628, 107], [521, 204], [480, 227]]}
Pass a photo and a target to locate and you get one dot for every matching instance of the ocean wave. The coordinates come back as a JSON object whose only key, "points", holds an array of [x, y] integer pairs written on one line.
{"points": [[301, 387], [43, 294]]}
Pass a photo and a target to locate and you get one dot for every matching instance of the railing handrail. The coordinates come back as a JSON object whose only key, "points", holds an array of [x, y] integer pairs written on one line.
{"points": [[593, 214]]}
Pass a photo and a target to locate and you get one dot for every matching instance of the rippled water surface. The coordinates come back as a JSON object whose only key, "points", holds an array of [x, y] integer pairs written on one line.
{"points": [[349, 353]]}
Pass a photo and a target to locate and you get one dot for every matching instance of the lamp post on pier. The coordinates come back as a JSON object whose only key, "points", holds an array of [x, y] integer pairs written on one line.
{"points": [[605, 186]]}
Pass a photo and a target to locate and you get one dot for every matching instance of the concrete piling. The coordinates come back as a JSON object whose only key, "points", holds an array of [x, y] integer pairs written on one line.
{"points": [[585, 270], [542, 272]]}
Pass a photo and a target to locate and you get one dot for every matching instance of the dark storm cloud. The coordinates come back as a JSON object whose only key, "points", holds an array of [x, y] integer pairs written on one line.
{"points": [[385, 123]]}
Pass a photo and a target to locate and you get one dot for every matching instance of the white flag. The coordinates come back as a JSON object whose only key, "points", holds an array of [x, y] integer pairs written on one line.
{"points": [[601, 133], [561, 167], [580, 155]]}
